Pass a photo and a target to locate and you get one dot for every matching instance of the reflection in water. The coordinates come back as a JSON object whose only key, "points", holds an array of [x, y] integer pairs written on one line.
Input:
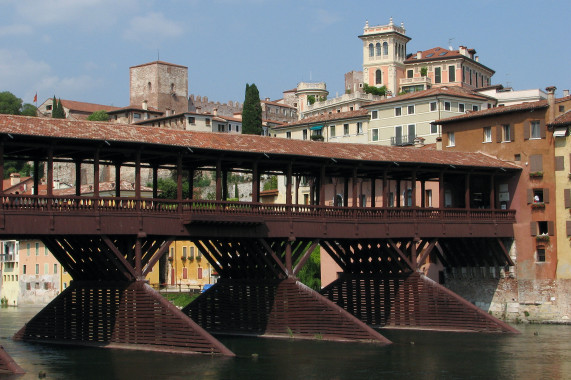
{"points": [[540, 352]]}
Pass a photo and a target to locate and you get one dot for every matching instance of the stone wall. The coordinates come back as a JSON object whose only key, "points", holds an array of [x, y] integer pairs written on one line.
{"points": [[534, 301], [201, 104]]}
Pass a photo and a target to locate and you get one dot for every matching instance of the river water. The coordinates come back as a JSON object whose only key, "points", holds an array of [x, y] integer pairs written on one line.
{"points": [[539, 352]]}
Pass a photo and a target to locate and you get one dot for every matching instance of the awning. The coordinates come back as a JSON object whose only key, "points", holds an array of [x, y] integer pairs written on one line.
{"points": [[560, 132], [316, 127]]}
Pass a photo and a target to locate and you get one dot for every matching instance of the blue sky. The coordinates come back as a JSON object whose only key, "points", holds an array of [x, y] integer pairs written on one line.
{"points": [[82, 49]]}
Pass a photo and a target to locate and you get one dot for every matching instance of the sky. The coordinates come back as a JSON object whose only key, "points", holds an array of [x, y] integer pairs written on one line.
{"points": [[82, 49]]}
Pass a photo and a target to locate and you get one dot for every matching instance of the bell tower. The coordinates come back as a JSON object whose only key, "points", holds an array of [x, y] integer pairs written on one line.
{"points": [[384, 53]]}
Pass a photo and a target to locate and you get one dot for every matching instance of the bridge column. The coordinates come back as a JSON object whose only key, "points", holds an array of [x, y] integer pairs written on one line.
{"points": [[109, 304], [155, 181], [118, 179], [373, 192], [77, 163], [8, 365], [255, 182], [355, 189], [467, 191], [385, 189], [441, 192], [492, 192], [96, 175], [413, 188], [2, 168], [36, 175]]}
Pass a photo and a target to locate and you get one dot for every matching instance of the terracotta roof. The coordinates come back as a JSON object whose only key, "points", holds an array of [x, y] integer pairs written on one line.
{"points": [[562, 120], [86, 107], [455, 91], [277, 104], [135, 108], [159, 62], [328, 117], [438, 53], [64, 129], [530, 106]]}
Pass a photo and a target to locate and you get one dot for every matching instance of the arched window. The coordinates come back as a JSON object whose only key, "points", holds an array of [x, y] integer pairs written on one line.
{"points": [[371, 50], [378, 77], [385, 48], [149, 86], [378, 49]]}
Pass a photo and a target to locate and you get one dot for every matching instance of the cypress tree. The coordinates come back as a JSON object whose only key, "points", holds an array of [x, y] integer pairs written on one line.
{"points": [[57, 109], [252, 111]]}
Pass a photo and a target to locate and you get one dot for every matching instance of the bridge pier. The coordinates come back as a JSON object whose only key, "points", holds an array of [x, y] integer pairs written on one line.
{"points": [[8, 365], [127, 315], [282, 308], [409, 300]]}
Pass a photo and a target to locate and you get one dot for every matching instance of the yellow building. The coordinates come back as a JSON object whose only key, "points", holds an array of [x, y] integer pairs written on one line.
{"points": [[562, 139], [187, 267]]}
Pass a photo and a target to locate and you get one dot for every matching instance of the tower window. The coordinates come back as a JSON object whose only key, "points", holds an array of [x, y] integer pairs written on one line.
{"points": [[371, 50], [385, 48], [378, 49], [378, 77]]}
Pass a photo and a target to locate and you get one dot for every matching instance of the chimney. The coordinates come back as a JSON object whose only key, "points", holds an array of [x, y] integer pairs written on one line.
{"points": [[439, 143], [267, 99], [462, 50], [477, 59], [215, 111], [550, 104], [565, 93], [14, 179], [145, 105], [418, 55]]}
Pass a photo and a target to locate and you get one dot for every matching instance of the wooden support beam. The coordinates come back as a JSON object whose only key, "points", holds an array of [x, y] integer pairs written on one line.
{"points": [[304, 258], [334, 255], [157, 256], [400, 253], [119, 255], [505, 252], [272, 253], [425, 253]]}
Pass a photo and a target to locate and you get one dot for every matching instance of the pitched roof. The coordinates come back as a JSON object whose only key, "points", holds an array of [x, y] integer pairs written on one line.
{"points": [[168, 139], [530, 106], [159, 63], [455, 91], [328, 117], [563, 120], [438, 53], [86, 107]]}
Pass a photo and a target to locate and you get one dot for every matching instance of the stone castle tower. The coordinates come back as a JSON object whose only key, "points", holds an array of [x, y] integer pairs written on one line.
{"points": [[159, 85], [384, 53]]}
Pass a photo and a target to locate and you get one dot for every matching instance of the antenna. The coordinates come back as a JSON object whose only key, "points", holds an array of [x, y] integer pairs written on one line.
{"points": [[450, 43], [158, 56]]}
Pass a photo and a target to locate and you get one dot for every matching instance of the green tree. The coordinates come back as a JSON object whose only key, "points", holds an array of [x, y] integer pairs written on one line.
{"points": [[10, 103], [271, 183], [310, 273], [57, 109], [311, 99], [29, 110], [98, 116], [252, 111], [380, 91]]}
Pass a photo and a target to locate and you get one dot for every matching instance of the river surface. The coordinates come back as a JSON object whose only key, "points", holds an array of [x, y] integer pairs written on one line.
{"points": [[539, 352]]}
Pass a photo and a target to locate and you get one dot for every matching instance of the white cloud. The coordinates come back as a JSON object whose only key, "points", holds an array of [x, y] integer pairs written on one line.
{"points": [[326, 18], [152, 29], [24, 76]]}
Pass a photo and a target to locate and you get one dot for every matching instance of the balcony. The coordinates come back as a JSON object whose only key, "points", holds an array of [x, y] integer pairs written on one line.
{"points": [[403, 140]]}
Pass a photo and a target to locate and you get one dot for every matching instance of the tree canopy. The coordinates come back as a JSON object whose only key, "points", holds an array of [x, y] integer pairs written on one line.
{"points": [[252, 111], [374, 90], [98, 116], [12, 105]]}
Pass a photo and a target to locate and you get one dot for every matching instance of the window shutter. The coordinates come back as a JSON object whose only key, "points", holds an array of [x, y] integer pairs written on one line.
{"points": [[512, 132], [542, 129], [550, 228], [536, 163], [529, 196], [568, 227], [545, 195], [559, 163], [498, 133], [526, 130], [533, 228]]}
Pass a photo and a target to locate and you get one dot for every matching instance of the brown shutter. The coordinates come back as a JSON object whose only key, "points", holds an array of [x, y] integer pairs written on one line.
{"points": [[568, 227], [536, 163], [559, 163], [533, 228], [550, 228], [498, 133], [529, 196], [546, 195], [542, 129], [567, 197], [512, 132], [526, 130]]}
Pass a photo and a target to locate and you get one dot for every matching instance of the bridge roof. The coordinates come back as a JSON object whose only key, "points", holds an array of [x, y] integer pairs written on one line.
{"points": [[64, 132]]}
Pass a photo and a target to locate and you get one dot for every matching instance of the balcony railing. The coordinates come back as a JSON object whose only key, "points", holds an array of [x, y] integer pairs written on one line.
{"points": [[403, 140], [74, 205]]}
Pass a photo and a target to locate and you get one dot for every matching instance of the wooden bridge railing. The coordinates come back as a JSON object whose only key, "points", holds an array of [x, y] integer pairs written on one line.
{"points": [[35, 203]]}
